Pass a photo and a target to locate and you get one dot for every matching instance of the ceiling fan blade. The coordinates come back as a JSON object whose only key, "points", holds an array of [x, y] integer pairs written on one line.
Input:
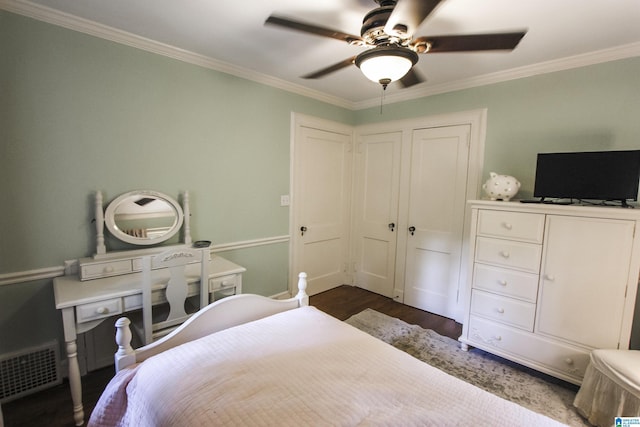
{"points": [[469, 42], [411, 78], [313, 29], [407, 16], [330, 69]]}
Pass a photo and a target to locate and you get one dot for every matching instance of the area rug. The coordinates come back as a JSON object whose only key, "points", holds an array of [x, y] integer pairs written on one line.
{"points": [[533, 390]]}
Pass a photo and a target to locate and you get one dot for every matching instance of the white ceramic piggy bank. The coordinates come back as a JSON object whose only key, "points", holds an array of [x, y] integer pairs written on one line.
{"points": [[501, 187]]}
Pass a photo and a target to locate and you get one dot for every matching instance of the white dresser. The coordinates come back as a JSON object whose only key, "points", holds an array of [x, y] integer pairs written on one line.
{"points": [[550, 283]]}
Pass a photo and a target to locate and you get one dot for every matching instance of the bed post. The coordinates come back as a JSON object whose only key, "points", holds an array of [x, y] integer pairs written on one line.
{"points": [[125, 355], [303, 298]]}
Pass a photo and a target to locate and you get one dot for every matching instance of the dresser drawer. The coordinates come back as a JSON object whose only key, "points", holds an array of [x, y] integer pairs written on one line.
{"points": [[112, 268], [506, 282], [98, 310], [563, 361], [508, 253], [527, 227], [502, 309]]}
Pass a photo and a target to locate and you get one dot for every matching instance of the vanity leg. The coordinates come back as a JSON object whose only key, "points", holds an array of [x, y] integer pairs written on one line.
{"points": [[69, 325], [74, 382]]}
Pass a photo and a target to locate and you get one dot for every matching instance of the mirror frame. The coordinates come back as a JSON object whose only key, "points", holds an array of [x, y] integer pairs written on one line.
{"points": [[109, 218]]}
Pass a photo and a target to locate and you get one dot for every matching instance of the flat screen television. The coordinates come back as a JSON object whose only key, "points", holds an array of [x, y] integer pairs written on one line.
{"points": [[593, 175]]}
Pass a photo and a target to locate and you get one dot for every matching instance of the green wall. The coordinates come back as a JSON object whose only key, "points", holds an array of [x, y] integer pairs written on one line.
{"points": [[79, 114], [589, 108]]}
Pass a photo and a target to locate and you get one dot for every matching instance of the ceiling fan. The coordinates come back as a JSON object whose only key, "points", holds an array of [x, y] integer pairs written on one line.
{"points": [[388, 33]]}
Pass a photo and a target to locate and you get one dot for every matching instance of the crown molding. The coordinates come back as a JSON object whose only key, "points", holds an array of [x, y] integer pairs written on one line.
{"points": [[75, 23], [52, 16], [606, 55]]}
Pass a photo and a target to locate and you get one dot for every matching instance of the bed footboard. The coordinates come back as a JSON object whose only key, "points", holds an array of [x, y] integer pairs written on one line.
{"points": [[220, 315]]}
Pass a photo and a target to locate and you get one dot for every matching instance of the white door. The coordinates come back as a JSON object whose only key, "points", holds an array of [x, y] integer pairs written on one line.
{"points": [[376, 211], [437, 197], [322, 166], [583, 281]]}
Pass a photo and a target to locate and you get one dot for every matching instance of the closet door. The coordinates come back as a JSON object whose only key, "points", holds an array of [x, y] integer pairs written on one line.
{"points": [[376, 211], [437, 197]]}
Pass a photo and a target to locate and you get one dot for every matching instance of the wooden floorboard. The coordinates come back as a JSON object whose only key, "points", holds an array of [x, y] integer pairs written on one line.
{"points": [[345, 301], [53, 407]]}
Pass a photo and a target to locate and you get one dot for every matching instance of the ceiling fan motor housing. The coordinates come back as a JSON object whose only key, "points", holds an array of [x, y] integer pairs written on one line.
{"points": [[402, 52], [372, 30]]}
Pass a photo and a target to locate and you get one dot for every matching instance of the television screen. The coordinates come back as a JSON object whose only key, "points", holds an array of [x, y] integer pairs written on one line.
{"points": [[596, 175]]}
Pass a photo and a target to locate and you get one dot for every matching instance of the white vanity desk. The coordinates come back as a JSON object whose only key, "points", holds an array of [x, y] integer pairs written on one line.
{"points": [[110, 284], [85, 304]]}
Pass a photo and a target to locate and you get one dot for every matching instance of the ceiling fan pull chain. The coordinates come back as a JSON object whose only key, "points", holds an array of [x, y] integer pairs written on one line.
{"points": [[384, 90]]}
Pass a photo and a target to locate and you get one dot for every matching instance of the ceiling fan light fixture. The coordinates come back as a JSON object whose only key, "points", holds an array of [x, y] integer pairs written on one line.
{"points": [[385, 64]]}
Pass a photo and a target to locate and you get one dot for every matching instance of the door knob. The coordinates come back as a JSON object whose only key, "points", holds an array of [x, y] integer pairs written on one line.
{"points": [[303, 229], [392, 226], [412, 230]]}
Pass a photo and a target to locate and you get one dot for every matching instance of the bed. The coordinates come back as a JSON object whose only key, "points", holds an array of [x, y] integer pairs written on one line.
{"points": [[251, 360]]}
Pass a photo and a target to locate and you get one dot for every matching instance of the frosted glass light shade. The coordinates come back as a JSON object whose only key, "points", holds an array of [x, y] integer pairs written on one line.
{"points": [[386, 64]]}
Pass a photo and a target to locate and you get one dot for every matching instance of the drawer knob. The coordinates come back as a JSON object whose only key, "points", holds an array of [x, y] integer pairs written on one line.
{"points": [[568, 361], [500, 310], [507, 225], [549, 277], [497, 338], [505, 254], [108, 269], [502, 282], [102, 310]]}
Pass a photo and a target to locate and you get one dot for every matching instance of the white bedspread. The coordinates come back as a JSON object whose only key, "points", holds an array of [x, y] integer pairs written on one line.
{"points": [[300, 367]]}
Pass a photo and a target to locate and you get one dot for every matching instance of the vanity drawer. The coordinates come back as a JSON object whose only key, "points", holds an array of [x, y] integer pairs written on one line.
{"points": [[502, 309], [523, 226], [112, 268], [563, 361], [517, 284], [225, 283], [507, 253], [98, 310]]}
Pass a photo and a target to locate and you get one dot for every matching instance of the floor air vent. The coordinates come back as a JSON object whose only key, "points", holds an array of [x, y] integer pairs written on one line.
{"points": [[28, 371]]}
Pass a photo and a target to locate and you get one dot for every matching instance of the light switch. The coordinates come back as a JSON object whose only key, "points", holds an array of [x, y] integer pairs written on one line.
{"points": [[284, 200]]}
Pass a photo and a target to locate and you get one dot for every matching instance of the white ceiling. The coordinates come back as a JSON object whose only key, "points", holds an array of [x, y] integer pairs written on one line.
{"points": [[231, 36]]}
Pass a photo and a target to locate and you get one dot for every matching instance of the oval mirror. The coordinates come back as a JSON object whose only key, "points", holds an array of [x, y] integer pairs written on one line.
{"points": [[143, 217]]}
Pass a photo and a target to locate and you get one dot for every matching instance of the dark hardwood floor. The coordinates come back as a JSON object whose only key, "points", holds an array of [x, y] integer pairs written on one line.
{"points": [[52, 407], [345, 301]]}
